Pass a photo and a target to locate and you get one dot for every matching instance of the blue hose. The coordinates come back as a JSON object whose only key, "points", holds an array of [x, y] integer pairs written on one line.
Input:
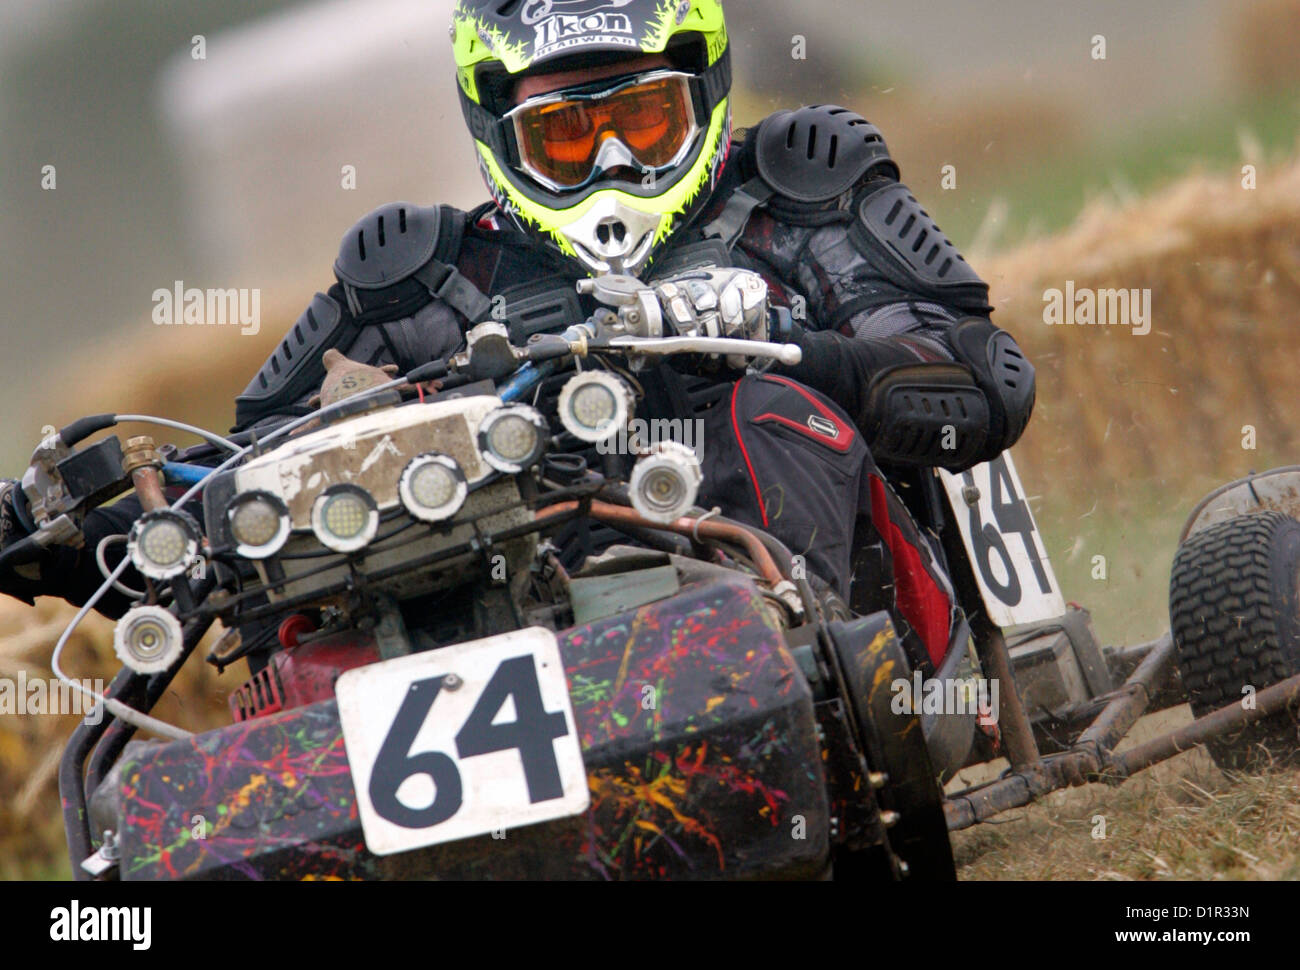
{"points": [[525, 379], [176, 473]]}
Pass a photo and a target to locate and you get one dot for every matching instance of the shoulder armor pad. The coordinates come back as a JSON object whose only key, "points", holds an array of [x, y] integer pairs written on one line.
{"points": [[818, 153], [890, 221], [391, 244], [400, 242]]}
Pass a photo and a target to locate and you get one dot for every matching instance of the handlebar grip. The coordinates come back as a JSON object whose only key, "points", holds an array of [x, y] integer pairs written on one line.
{"points": [[83, 428]]}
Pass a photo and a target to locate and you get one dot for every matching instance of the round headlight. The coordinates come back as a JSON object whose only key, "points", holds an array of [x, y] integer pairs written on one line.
{"points": [[666, 482], [345, 518], [595, 406], [148, 639], [163, 544], [433, 488], [259, 524], [513, 438]]}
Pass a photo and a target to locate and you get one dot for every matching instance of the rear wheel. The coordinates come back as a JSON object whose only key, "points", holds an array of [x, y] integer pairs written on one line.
{"points": [[1234, 605]]}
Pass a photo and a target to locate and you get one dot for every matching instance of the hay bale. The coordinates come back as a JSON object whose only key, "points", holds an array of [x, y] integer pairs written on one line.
{"points": [[1223, 267]]}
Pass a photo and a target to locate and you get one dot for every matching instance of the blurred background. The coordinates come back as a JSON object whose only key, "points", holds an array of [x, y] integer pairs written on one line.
{"points": [[206, 142]]}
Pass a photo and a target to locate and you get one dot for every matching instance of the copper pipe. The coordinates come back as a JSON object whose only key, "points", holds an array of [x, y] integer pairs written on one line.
{"points": [[149, 487], [618, 515], [140, 460]]}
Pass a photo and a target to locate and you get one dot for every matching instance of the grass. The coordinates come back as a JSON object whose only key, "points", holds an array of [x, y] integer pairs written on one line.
{"points": [[1181, 820]]}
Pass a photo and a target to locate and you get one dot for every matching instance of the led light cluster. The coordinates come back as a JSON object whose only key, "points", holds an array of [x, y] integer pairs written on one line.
{"points": [[513, 438], [595, 406], [345, 517], [163, 544]]}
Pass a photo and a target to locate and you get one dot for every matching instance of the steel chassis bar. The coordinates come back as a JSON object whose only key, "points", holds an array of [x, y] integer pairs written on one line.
{"points": [[1092, 757]]}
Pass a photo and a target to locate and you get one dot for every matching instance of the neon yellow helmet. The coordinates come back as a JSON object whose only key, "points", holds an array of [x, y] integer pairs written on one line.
{"points": [[603, 170]]}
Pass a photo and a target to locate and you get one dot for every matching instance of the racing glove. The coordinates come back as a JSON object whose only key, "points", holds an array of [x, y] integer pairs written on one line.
{"points": [[718, 302]]}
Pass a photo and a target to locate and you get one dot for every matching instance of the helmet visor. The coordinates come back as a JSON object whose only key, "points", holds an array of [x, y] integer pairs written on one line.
{"points": [[566, 140]]}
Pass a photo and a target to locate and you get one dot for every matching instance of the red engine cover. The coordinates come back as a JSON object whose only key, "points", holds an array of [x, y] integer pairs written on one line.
{"points": [[301, 675]]}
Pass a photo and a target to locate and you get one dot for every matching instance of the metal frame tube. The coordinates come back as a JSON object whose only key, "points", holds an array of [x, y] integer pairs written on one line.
{"points": [[1022, 750], [1269, 701], [1091, 758]]}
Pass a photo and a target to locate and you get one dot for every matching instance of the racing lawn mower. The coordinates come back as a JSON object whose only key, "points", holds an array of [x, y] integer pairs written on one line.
{"points": [[439, 696]]}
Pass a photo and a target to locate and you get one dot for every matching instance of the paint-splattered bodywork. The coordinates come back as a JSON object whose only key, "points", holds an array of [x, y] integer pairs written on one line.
{"points": [[697, 729]]}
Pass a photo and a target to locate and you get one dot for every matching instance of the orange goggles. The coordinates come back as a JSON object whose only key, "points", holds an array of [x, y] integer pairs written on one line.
{"points": [[566, 140]]}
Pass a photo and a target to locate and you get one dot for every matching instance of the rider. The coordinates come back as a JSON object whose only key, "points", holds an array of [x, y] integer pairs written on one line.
{"points": [[603, 131]]}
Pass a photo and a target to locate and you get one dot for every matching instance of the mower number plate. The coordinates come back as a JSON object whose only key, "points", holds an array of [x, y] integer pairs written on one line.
{"points": [[462, 741], [1006, 552]]}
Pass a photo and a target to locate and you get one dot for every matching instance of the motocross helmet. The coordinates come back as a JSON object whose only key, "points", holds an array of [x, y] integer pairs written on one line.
{"points": [[602, 171]]}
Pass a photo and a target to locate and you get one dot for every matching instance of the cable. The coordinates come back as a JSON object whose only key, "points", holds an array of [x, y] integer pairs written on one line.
{"points": [[115, 707], [207, 436], [121, 587], [695, 530]]}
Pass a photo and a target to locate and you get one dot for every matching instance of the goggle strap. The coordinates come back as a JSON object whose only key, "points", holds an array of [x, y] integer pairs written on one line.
{"points": [[484, 126], [715, 80]]}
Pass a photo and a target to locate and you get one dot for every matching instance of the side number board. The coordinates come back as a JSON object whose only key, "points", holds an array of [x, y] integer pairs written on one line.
{"points": [[1006, 551]]}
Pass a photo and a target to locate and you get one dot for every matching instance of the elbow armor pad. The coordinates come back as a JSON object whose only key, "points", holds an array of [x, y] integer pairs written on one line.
{"points": [[1003, 373], [931, 415], [955, 415]]}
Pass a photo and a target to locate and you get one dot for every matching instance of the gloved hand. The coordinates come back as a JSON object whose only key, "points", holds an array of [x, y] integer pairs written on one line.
{"points": [[21, 582], [715, 303]]}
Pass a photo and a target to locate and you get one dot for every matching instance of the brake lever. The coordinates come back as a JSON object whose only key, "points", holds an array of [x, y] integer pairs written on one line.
{"points": [[788, 354]]}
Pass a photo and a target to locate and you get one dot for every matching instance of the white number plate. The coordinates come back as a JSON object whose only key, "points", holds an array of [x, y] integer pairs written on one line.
{"points": [[1006, 552], [462, 741]]}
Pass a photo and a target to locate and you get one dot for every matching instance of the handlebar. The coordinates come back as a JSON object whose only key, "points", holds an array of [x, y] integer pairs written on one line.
{"points": [[540, 359]]}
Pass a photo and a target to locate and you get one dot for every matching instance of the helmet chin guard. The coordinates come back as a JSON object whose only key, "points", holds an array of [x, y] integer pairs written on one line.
{"points": [[613, 237]]}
